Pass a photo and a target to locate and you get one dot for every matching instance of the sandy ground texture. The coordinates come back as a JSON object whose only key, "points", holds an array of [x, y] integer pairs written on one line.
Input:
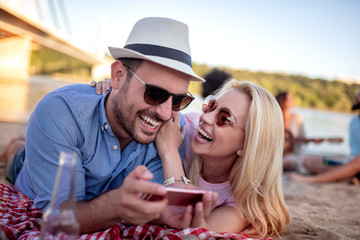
{"points": [[318, 211], [322, 211]]}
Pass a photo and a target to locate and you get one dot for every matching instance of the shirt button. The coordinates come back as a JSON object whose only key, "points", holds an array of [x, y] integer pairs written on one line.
{"points": [[115, 147], [106, 126], [102, 129]]}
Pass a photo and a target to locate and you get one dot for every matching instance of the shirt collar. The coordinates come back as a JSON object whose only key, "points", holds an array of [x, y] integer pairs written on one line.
{"points": [[103, 119]]}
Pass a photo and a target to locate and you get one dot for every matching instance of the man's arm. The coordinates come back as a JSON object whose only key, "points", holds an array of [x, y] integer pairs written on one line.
{"points": [[54, 127], [124, 203]]}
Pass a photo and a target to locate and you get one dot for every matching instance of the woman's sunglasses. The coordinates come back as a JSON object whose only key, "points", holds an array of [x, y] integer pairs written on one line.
{"points": [[155, 96], [223, 117]]}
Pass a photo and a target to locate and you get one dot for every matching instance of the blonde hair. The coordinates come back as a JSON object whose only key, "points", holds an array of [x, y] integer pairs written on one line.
{"points": [[255, 177]]}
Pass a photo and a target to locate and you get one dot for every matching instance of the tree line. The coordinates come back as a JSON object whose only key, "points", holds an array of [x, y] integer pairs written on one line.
{"points": [[307, 92]]}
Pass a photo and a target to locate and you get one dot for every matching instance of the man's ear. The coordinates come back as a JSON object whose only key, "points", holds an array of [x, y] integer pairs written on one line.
{"points": [[118, 74]]}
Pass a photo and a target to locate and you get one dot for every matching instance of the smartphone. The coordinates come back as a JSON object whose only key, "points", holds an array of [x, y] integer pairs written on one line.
{"points": [[179, 196]]}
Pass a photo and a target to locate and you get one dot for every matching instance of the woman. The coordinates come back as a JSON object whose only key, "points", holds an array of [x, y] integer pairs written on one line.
{"points": [[236, 151], [294, 132]]}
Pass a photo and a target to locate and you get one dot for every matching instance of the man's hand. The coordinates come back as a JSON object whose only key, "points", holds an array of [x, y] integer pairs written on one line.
{"points": [[131, 206], [124, 203]]}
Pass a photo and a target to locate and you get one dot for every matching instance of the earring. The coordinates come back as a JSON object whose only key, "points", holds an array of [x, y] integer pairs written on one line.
{"points": [[239, 152]]}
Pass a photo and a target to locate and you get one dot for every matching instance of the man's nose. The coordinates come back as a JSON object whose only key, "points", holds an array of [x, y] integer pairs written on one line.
{"points": [[164, 110]]}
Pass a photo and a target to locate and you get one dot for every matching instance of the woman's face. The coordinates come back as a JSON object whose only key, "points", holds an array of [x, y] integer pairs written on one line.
{"points": [[214, 141]]}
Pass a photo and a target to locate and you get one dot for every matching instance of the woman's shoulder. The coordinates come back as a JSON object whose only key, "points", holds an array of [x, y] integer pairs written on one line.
{"points": [[191, 116], [192, 120]]}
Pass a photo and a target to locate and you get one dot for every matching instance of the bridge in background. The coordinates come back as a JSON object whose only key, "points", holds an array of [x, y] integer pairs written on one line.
{"points": [[17, 34]]}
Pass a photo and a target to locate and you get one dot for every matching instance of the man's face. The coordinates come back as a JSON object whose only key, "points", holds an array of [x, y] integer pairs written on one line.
{"points": [[132, 114]]}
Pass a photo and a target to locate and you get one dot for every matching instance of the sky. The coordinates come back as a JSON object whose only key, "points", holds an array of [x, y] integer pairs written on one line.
{"points": [[315, 38]]}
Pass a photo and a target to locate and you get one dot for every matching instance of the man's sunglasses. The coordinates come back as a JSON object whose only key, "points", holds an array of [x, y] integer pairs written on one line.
{"points": [[223, 117], [155, 96]]}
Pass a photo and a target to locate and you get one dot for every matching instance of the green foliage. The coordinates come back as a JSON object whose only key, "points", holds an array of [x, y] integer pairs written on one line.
{"points": [[47, 61], [307, 92]]}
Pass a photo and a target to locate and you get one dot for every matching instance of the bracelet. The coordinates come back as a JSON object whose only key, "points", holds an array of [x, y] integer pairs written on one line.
{"points": [[172, 180]]}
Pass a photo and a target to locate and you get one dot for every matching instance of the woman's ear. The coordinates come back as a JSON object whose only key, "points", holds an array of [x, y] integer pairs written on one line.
{"points": [[118, 74]]}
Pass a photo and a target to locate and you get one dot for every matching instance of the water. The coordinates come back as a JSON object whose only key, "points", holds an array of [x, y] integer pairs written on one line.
{"points": [[326, 124], [19, 98]]}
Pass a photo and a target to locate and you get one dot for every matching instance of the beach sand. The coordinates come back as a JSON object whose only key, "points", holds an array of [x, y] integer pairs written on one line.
{"points": [[318, 211], [322, 211]]}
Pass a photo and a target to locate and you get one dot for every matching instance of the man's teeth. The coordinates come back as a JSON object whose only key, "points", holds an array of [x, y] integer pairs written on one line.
{"points": [[147, 120], [202, 132]]}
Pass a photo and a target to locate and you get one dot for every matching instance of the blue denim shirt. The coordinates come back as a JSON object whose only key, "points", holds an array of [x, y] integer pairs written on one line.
{"points": [[72, 118]]}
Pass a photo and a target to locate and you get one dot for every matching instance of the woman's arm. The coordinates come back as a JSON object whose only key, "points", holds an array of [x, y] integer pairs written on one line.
{"points": [[102, 87], [222, 219], [168, 141]]}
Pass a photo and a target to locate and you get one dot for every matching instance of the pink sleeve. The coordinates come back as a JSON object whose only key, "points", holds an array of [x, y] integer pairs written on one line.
{"points": [[192, 123]]}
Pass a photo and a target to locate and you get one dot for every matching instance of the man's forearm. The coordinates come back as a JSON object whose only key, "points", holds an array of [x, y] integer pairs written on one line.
{"points": [[123, 204], [96, 214]]}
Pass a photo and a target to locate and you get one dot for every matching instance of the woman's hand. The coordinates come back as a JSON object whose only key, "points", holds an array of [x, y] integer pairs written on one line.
{"points": [[181, 217], [203, 209], [102, 87], [169, 137], [178, 217]]}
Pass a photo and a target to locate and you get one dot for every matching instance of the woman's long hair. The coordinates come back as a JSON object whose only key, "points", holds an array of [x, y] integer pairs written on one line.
{"points": [[255, 177]]}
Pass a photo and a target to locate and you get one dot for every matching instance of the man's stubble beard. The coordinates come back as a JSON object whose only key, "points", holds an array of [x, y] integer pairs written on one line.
{"points": [[123, 118]]}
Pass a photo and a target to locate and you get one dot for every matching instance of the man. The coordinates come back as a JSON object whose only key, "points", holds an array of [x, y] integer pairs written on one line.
{"points": [[326, 170], [113, 134]]}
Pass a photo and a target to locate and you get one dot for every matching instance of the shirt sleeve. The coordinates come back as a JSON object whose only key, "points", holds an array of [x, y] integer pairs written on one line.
{"points": [[53, 127]]}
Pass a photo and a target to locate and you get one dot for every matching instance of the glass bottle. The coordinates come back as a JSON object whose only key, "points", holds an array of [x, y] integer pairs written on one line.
{"points": [[59, 221]]}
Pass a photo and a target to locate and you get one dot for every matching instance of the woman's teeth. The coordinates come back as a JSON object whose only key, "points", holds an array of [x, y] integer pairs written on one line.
{"points": [[204, 134]]}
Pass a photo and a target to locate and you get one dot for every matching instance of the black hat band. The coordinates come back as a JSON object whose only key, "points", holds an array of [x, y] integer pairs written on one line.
{"points": [[159, 51]]}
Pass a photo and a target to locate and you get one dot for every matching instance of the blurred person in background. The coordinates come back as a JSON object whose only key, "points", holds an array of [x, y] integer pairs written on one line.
{"points": [[294, 132], [328, 170]]}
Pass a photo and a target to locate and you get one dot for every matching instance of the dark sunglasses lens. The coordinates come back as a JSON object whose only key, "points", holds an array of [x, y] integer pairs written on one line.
{"points": [[223, 117], [181, 102], [155, 96], [209, 104]]}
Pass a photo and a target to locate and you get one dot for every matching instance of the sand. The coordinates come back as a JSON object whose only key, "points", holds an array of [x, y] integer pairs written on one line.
{"points": [[322, 211], [318, 211]]}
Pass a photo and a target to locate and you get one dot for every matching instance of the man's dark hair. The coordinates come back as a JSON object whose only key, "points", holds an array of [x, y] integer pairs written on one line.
{"points": [[214, 79], [132, 63]]}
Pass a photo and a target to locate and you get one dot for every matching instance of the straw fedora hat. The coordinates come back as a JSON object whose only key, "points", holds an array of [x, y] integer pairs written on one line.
{"points": [[161, 40]]}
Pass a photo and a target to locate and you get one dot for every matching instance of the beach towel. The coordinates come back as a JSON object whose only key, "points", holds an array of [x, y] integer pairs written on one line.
{"points": [[20, 219]]}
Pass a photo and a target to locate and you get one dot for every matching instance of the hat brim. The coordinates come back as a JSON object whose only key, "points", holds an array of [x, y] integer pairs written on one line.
{"points": [[117, 53]]}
